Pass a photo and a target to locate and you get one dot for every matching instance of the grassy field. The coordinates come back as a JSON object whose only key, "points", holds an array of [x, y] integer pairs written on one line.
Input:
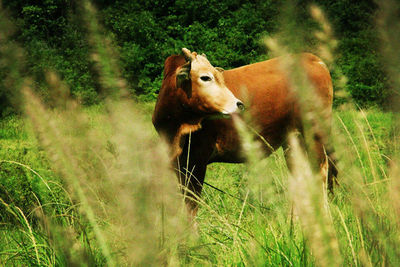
{"points": [[93, 186], [103, 207]]}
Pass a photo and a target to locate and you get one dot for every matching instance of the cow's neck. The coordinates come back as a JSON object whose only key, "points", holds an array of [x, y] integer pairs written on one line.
{"points": [[179, 125]]}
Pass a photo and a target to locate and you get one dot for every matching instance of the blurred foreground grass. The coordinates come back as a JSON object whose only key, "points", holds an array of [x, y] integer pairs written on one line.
{"points": [[248, 224]]}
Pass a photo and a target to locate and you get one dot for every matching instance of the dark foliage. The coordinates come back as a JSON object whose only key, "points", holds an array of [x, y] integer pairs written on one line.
{"points": [[146, 32], [359, 48]]}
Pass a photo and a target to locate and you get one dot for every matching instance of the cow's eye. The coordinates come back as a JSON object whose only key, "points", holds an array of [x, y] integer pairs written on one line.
{"points": [[205, 78]]}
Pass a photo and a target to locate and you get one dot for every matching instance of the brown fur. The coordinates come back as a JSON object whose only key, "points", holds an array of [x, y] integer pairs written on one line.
{"points": [[273, 106]]}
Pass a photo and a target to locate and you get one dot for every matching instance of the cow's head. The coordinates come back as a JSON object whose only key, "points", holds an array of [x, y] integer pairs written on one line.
{"points": [[204, 86], [192, 90]]}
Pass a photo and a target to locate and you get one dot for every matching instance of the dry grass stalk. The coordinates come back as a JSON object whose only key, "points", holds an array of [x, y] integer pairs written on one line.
{"points": [[312, 209]]}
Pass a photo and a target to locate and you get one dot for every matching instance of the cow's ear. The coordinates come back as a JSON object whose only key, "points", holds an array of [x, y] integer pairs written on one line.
{"points": [[183, 79], [181, 76], [219, 69]]}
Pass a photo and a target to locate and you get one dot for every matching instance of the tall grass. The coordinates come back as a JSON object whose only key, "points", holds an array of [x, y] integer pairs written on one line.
{"points": [[117, 176], [114, 200]]}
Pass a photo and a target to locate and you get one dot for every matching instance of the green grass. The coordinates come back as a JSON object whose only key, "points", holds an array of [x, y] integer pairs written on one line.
{"points": [[252, 223], [266, 231], [94, 187], [33, 198]]}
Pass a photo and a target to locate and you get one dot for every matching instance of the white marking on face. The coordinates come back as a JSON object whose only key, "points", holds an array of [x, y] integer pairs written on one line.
{"points": [[211, 88]]}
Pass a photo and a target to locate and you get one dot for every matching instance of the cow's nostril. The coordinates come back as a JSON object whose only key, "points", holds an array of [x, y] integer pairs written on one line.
{"points": [[240, 105]]}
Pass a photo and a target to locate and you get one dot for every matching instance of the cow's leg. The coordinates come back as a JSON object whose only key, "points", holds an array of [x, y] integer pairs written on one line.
{"points": [[322, 162], [332, 169], [323, 159], [327, 164], [288, 151], [191, 169], [191, 178]]}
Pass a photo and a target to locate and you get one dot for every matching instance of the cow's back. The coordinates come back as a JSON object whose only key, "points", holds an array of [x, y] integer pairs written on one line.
{"points": [[264, 87]]}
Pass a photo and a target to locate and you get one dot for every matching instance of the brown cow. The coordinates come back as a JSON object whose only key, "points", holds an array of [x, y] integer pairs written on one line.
{"points": [[193, 92]]}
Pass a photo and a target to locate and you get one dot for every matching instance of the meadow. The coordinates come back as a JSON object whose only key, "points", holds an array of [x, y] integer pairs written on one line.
{"points": [[92, 185], [250, 220]]}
